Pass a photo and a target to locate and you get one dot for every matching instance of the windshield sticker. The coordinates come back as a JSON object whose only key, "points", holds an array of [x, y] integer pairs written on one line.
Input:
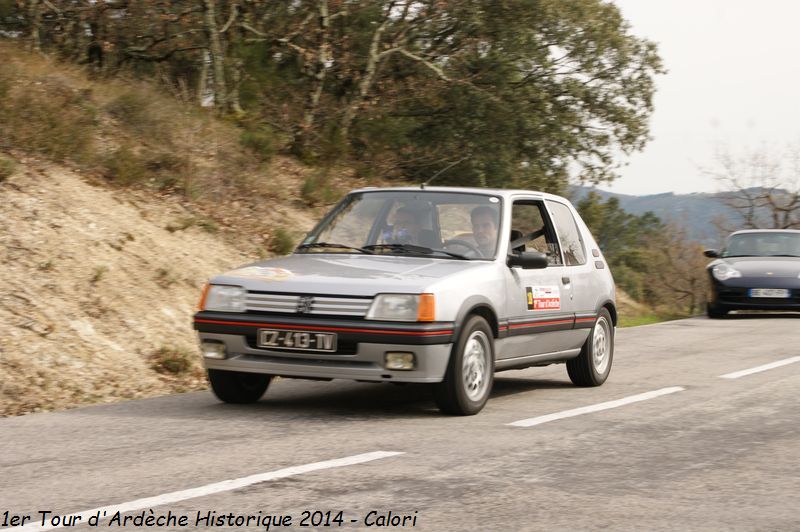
{"points": [[263, 273], [543, 298]]}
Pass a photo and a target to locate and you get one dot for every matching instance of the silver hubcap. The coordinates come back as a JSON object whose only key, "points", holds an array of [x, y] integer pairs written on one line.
{"points": [[601, 345], [475, 365]]}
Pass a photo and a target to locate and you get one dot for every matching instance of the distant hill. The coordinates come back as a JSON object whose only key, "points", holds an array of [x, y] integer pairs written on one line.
{"points": [[695, 212]]}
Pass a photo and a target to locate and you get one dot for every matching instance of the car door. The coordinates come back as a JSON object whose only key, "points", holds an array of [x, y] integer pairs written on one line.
{"points": [[578, 270], [539, 314]]}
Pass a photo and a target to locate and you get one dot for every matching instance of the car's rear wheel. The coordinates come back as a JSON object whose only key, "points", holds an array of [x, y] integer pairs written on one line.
{"points": [[716, 312], [470, 371], [593, 365], [238, 387]]}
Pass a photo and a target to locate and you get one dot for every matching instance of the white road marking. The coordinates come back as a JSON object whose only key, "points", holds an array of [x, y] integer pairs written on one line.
{"points": [[107, 512], [595, 408], [765, 367]]}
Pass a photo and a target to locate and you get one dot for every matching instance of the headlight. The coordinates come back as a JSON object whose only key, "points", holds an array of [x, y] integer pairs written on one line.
{"points": [[402, 307], [723, 272], [225, 298]]}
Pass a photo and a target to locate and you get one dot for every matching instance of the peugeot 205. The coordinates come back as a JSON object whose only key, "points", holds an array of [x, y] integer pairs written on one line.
{"points": [[417, 285]]}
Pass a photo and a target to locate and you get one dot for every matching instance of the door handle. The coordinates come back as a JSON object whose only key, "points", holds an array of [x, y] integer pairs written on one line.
{"points": [[565, 280]]}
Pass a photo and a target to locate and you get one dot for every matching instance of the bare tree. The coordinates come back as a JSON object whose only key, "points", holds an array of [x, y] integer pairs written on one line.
{"points": [[763, 187]]}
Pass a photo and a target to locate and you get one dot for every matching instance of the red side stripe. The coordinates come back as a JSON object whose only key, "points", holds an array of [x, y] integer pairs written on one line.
{"points": [[340, 329], [539, 323]]}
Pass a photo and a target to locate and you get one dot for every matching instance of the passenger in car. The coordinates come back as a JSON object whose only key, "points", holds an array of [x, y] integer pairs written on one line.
{"points": [[407, 229]]}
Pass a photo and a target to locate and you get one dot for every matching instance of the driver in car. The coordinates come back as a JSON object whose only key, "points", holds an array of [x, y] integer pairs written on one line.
{"points": [[484, 229]]}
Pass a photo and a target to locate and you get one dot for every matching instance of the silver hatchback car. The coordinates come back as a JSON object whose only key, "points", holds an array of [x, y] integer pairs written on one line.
{"points": [[429, 285]]}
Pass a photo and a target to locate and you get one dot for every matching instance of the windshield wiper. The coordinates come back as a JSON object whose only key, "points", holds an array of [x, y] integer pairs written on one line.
{"points": [[334, 246], [411, 248], [796, 256]]}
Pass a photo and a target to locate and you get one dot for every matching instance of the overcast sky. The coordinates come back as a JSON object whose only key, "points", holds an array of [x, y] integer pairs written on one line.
{"points": [[733, 80]]}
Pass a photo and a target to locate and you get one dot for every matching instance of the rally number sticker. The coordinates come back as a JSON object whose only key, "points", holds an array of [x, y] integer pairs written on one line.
{"points": [[543, 298]]}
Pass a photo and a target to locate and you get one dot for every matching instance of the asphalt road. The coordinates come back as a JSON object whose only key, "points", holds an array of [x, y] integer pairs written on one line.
{"points": [[708, 453]]}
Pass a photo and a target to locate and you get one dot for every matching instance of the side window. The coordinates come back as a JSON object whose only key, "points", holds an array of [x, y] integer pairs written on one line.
{"points": [[571, 239], [528, 221]]}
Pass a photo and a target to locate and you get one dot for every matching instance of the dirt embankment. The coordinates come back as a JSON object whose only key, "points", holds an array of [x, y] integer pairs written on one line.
{"points": [[97, 289]]}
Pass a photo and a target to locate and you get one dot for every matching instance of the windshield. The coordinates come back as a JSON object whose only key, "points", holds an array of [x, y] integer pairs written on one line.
{"points": [[447, 225], [763, 245]]}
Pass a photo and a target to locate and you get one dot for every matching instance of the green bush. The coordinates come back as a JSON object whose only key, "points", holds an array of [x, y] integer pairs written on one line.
{"points": [[261, 141], [7, 168], [316, 189], [281, 242]]}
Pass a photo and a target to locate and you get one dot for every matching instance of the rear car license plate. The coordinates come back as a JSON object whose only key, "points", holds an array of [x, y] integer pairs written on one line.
{"points": [[296, 340], [769, 292]]}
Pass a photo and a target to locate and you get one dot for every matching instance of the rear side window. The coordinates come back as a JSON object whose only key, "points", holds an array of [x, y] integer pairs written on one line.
{"points": [[571, 240]]}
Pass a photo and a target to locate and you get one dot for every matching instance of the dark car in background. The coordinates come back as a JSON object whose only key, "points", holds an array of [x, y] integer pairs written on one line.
{"points": [[758, 269]]}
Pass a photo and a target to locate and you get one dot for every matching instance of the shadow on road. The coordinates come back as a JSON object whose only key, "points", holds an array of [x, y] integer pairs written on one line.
{"points": [[293, 398], [762, 316]]}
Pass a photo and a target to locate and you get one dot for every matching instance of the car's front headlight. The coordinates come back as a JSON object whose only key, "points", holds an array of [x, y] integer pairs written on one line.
{"points": [[723, 272], [225, 298], [402, 307]]}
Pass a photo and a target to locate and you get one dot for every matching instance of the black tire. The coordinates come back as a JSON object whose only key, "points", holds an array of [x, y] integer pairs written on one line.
{"points": [[465, 390], [592, 366], [715, 312], [238, 387]]}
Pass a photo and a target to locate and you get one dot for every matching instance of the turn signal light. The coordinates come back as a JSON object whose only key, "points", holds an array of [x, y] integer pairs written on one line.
{"points": [[426, 310]]}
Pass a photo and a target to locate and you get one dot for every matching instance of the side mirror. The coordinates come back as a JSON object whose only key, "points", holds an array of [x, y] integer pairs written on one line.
{"points": [[528, 260], [711, 253]]}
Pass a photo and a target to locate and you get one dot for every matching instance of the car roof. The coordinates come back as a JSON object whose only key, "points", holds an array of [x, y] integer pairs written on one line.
{"points": [[745, 231], [502, 192]]}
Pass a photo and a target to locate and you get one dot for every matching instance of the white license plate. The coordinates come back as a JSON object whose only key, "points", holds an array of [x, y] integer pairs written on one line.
{"points": [[769, 292], [296, 340]]}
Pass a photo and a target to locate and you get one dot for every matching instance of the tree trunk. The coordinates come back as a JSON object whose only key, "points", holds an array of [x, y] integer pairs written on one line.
{"points": [[217, 55], [366, 81], [35, 21], [320, 69]]}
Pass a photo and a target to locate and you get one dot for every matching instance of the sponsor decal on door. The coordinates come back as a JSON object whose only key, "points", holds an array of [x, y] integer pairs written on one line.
{"points": [[543, 298]]}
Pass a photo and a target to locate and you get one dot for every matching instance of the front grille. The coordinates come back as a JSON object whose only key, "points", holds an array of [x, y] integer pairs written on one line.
{"points": [[355, 307]]}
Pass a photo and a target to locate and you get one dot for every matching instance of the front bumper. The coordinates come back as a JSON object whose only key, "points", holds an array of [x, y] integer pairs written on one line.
{"points": [[360, 354], [725, 296]]}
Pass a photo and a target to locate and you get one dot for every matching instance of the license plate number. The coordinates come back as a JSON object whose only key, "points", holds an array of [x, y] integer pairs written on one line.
{"points": [[769, 292], [296, 340]]}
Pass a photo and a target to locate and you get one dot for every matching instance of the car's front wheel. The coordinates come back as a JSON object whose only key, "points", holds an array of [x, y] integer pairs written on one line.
{"points": [[470, 371], [238, 387], [592, 366]]}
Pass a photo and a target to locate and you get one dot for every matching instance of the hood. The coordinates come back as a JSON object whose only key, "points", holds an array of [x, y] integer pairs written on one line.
{"points": [[765, 266], [345, 274]]}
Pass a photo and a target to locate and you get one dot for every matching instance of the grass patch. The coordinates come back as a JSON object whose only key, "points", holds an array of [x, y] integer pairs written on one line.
{"points": [[7, 168], [171, 361], [282, 242], [261, 141], [165, 278], [50, 119], [134, 110], [97, 274], [317, 189], [647, 319]]}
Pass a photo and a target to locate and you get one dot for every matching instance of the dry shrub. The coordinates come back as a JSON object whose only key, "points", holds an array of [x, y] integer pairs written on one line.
{"points": [[49, 118], [171, 360], [134, 110]]}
